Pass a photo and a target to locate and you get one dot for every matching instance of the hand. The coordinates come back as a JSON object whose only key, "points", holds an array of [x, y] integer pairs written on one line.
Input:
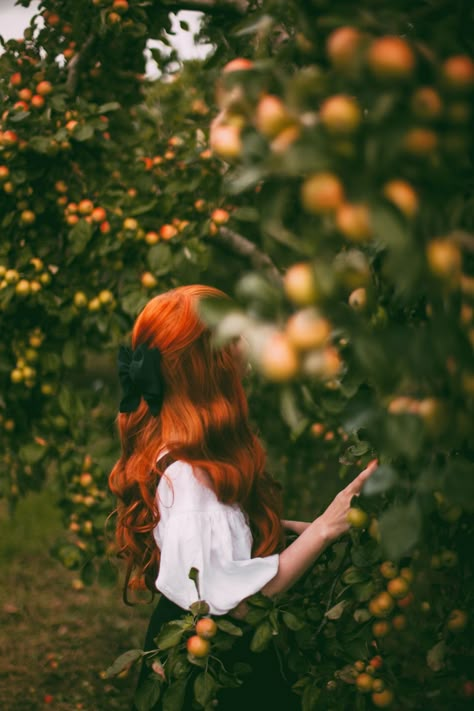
{"points": [[335, 517]]}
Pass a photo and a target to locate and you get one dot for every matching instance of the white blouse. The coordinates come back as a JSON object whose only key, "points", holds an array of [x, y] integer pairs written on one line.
{"points": [[197, 530]]}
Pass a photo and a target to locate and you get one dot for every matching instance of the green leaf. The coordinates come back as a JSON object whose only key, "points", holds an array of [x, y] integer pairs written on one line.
{"points": [[40, 144], [262, 637], [365, 555], [79, 236], [170, 636], [200, 607], [354, 575], [109, 106], [400, 529], [228, 627], [435, 658], [310, 697], [173, 698], [337, 610], [204, 688], [83, 133], [133, 302], [160, 259], [381, 480], [122, 662], [291, 413], [67, 400], [32, 452], [363, 591], [148, 693], [292, 622]]}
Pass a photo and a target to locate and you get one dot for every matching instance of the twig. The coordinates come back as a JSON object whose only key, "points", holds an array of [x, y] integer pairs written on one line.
{"points": [[331, 591], [245, 248], [76, 63]]}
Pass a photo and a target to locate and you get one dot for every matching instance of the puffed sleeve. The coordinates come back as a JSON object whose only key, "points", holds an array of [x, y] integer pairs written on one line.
{"points": [[201, 532]]}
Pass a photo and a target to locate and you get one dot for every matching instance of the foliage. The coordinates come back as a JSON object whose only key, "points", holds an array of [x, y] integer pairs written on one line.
{"points": [[341, 159]]}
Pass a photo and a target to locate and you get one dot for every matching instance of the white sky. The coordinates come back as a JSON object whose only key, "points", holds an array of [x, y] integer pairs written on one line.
{"points": [[14, 19]]}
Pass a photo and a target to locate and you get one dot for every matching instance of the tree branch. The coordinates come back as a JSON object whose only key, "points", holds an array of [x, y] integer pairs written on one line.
{"points": [[245, 248], [76, 63]]}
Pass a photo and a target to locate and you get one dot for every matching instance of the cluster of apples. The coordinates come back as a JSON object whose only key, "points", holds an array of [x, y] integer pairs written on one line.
{"points": [[199, 645]]}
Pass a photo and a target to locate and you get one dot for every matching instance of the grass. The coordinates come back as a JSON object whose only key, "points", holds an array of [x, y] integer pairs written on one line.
{"points": [[55, 640]]}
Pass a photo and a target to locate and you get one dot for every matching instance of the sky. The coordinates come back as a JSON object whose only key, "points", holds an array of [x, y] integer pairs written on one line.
{"points": [[14, 19]]}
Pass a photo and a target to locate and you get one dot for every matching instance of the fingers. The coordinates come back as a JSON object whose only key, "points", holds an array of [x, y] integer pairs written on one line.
{"points": [[360, 480]]}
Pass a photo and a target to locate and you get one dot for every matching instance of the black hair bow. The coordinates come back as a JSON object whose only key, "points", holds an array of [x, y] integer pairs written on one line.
{"points": [[140, 376]]}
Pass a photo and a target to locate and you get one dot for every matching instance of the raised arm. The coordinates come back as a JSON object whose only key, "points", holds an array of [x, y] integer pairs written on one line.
{"points": [[303, 552]]}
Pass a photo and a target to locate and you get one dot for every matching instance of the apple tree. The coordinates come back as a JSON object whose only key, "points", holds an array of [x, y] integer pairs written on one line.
{"points": [[328, 149]]}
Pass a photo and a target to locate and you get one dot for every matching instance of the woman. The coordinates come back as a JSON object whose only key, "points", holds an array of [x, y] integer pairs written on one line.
{"points": [[192, 486]]}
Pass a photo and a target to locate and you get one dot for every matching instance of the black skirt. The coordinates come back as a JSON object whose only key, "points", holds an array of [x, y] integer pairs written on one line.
{"points": [[268, 683]]}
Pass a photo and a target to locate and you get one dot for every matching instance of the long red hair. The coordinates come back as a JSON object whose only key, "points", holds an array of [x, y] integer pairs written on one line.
{"points": [[203, 421]]}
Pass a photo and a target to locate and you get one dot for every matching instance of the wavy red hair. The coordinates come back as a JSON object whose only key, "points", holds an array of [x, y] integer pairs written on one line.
{"points": [[203, 421]]}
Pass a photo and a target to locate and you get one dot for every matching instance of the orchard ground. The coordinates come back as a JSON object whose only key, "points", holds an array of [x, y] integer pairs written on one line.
{"points": [[56, 640]]}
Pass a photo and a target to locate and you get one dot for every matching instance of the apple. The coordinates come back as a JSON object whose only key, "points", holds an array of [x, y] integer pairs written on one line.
{"points": [[220, 216], [307, 329], [25, 94], [168, 231], [398, 587], [4, 172], [152, 238], [44, 88], [324, 364], [403, 196], [52, 19], [130, 224], [198, 647], [27, 217], [444, 259], [285, 138], [342, 46], [120, 6], [420, 141], [272, 116], [357, 517], [388, 570], [9, 138], [85, 207], [278, 358], [322, 193], [148, 280], [458, 72], [237, 65], [382, 699], [340, 114], [206, 628], [16, 79], [358, 299], [106, 297], [364, 683], [225, 141], [300, 285], [22, 288], [71, 125], [391, 57], [98, 214], [16, 376], [426, 103], [353, 220]]}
